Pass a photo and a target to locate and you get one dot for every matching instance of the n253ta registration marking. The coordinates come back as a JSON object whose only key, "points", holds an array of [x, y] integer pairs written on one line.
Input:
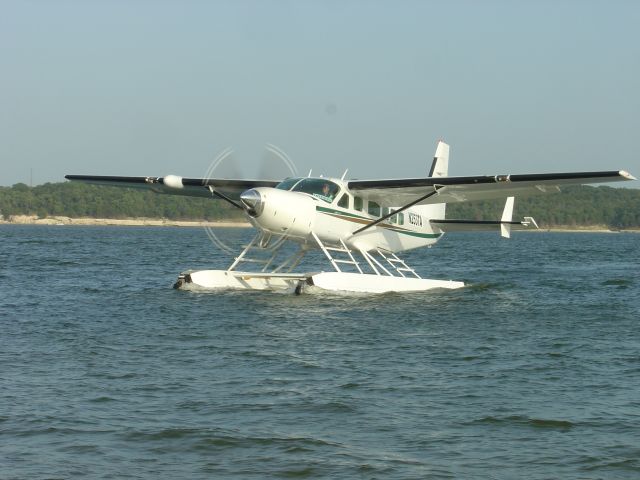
{"points": [[414, 219]]}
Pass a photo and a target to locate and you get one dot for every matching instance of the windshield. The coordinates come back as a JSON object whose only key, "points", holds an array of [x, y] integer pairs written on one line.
{"points": [[287, 183], [319, 188]]}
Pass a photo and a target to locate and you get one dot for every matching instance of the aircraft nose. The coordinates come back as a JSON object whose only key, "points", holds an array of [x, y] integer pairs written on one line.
{"points": [[252, 201]]}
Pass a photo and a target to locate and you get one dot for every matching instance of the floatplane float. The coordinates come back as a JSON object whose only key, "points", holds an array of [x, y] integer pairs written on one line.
{"points": [[359, 225]]}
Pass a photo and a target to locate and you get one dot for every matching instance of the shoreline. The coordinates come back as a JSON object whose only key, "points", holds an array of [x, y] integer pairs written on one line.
{"points": [[120, 222], [163, 222]]}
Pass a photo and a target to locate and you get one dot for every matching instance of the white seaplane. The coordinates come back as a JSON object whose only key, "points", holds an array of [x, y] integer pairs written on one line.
{"points": [[370, 220]]}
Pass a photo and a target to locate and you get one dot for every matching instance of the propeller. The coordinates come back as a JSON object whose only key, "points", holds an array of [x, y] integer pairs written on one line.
{"points": [[225, 165], [274, 164]]}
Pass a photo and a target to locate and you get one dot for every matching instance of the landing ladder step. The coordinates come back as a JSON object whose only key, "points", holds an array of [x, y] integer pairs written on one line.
{"points": [[398, 264], [343, 249]]}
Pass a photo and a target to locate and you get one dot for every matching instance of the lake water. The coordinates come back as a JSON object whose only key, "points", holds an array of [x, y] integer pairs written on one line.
{"points": [[532, 371]]}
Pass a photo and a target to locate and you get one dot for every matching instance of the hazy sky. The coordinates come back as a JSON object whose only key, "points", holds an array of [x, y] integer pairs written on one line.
{"points": [[135, 87]]}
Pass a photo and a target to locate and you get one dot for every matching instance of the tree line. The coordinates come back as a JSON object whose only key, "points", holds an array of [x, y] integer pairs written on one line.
{"points": [[573, 206], [72, 199]]}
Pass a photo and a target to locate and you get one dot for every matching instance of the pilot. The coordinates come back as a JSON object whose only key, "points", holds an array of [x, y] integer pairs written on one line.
{"points": [[325, 193]]}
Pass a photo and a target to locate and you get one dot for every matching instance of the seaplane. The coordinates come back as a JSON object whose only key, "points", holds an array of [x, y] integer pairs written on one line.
{"points": [[360, 226]]}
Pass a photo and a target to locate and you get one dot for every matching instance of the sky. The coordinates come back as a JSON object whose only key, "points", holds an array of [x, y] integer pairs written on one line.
{"points": [[157, 87]]}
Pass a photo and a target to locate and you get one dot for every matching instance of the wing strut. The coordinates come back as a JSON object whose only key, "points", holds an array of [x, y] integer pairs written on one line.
{"points": [[225, 198], [436, 189]]}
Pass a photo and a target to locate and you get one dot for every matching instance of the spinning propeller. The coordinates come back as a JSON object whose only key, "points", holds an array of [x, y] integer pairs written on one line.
{"points": [[274, 164]]}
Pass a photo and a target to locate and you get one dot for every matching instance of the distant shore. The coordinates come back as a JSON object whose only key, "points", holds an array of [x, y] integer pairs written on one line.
{"points": [[163, 222], [123, 222]]}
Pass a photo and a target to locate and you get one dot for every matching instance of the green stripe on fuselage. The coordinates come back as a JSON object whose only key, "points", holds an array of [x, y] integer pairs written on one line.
{"points": [[339, 213]]}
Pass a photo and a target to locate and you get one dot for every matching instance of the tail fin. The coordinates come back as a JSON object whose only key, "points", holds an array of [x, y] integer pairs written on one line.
{"points": [[507, 216], [440, 165], [439, 168]]}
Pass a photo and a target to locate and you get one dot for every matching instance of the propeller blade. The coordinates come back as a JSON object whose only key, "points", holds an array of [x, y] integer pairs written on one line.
{"points": [[276, 164], [225, 165]]}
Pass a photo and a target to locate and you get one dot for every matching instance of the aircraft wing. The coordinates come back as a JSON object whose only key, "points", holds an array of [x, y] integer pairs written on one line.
{"points": [[466, 189], [174, 185]]}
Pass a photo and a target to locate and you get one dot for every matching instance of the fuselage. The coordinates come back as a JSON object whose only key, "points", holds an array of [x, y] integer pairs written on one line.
{"points": [[300, 207]]}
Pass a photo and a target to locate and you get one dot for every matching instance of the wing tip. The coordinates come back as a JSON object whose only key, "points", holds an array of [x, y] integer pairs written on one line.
{"points": [[626, 175]]}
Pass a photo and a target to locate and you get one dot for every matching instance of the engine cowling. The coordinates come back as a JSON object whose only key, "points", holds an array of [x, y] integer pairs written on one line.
{"points": [[280, 212]]}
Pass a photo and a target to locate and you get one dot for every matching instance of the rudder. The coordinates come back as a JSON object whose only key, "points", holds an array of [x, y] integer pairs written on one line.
{"points": [[440, 164], [439, 168]]}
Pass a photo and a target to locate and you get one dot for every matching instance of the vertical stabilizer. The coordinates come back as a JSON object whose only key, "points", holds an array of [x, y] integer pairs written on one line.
{"points": [[440, 165], [507, 216], [439, 168]]}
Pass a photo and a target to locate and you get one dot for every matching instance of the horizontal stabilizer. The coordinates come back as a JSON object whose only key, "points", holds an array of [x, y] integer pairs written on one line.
{"points": [[505, 224], [449, 225]]}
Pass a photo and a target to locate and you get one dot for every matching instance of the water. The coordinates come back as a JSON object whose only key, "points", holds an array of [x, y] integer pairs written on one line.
{"points": [[533, 371]]}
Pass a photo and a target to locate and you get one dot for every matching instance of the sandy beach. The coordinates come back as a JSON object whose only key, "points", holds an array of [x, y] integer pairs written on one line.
{"points": [[125, 222]]}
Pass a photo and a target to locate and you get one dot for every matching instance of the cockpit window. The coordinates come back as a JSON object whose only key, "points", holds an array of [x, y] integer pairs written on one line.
{"points": [[287, 183], [319, 188]]}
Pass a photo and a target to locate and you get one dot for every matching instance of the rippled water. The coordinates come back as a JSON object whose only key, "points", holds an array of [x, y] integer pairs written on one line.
{"points": [[532, 371]]}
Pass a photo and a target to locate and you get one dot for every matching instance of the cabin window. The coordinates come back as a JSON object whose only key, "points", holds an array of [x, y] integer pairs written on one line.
{"points": [[287, 183], [358, 204], [344, 201], [397, 218], [385, 211], [373, 209], [318, 187]]}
